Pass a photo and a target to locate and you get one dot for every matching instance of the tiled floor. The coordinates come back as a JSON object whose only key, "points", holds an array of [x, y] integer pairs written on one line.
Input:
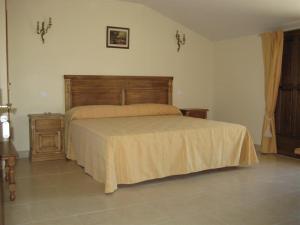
{"points": [[58, 192]]}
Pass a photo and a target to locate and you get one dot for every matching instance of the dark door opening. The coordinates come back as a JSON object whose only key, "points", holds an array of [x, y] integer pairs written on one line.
{"points": [[287, 114]]}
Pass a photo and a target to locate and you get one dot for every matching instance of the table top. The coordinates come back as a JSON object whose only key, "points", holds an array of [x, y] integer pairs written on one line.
{"points": [[7, 149], [193, 109], [46, 115]]}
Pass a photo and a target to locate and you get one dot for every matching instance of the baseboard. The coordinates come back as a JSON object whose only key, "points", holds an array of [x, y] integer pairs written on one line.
{"points": [[23, 154]]}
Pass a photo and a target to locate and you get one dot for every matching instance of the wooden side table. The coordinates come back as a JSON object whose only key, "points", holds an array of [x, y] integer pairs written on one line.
{"points": [[195, 112], [46, 136], [9, 154]]}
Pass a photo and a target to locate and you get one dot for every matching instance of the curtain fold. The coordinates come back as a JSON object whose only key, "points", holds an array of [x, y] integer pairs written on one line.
{"points": [[272, 45]]}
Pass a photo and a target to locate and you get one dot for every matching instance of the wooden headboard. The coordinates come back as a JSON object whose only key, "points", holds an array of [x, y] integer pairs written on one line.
{"points": [[116, 90]]}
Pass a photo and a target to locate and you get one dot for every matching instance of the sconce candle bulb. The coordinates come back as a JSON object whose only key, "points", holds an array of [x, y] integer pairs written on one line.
{"points": [[42, 31]]}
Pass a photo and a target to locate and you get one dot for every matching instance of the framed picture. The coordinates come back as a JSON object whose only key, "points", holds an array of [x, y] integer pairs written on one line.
{"points": [[117, 37]]}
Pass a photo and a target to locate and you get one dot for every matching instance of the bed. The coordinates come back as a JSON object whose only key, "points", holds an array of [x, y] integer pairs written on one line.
{"points": [[124, 130]]}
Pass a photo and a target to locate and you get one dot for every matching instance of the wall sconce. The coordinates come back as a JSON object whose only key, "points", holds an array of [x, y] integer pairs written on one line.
{"points": [[43, 29], [180, 40]]}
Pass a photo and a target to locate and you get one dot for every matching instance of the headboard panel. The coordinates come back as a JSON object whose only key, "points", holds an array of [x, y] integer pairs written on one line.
{"points": [[116, 90]]}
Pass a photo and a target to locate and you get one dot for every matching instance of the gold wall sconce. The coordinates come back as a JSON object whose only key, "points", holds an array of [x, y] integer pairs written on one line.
{"points": [[180, 39], [43, 29]]}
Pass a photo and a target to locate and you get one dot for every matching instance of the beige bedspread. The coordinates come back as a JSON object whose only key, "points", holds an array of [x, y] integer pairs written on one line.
{"points": [[128, 150]]}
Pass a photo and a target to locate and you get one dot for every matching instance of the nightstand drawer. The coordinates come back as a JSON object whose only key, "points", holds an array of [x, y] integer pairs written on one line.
{"points": [[198, 113], [48, 142], [48, 124]]}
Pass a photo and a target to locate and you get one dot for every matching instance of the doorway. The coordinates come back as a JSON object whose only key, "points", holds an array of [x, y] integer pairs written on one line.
{"points": [[287, 114]]}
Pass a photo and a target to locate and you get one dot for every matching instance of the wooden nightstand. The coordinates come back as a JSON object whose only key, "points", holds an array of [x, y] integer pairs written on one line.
{"points": [[198, 113], [46, 136]]}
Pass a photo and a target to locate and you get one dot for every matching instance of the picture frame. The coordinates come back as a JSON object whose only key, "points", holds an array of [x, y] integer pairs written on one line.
{"points": [[117, 37]]}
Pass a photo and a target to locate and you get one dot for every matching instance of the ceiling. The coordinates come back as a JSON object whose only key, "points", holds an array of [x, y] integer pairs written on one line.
{"points": [[224, 19]]}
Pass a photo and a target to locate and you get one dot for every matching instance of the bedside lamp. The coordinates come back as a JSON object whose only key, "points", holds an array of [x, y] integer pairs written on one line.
{"points": [[4, 121]]}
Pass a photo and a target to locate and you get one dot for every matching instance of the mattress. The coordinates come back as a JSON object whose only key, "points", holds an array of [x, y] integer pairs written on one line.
{"points": [[127, 150]]}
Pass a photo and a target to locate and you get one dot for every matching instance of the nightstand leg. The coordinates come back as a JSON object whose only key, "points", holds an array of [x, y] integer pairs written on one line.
{"points": [[11, 177]]}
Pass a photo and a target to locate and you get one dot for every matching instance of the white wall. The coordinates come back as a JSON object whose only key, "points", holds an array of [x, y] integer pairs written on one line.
{"points": [[239, 83], [76, 45], [3, 80]]}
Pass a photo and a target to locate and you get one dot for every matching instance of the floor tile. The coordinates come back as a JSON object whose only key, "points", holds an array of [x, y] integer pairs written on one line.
{"points": [[62, 221], [18, 214], [133, 215]]}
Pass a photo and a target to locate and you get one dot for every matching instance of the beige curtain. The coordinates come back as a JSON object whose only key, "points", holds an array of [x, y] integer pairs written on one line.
{"points": [[272, 44]]}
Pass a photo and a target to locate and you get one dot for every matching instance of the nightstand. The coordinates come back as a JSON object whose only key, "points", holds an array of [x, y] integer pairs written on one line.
{"points": [[46, 136], [198, 113]]}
